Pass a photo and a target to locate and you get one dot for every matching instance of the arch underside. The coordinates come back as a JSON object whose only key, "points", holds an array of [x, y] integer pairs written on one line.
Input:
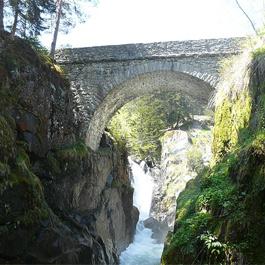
{"points": [[149, 83]]}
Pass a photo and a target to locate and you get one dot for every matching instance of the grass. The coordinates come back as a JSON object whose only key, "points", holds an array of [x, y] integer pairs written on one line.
{"points": [[77, 150]]}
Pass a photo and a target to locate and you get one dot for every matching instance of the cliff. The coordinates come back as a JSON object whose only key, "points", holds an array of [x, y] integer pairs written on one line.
{"points": [[184, 152], [60, 202], [220, 215]]}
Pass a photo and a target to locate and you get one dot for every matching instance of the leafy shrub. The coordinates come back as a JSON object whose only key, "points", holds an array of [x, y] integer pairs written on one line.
{"points": [[195, 161]]}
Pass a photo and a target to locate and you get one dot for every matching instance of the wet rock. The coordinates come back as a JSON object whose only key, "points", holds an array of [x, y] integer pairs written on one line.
{"points": [[159, 229]]}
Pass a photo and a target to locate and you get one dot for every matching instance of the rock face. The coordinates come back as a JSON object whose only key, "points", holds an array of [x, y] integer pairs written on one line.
{"points": [[60, 202], [159, 229], [96, 193], [183, 153]]}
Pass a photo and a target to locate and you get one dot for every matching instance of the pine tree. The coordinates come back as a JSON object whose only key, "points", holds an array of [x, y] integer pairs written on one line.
{"points": [[67, 13], [59, 6], [29, 16]]}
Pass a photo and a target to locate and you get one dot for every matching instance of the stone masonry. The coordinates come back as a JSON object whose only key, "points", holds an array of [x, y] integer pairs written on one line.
{"points": [[105, 78]]}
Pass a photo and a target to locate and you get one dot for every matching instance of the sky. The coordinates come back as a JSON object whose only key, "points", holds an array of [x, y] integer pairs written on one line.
{"points": [[143, 21]]}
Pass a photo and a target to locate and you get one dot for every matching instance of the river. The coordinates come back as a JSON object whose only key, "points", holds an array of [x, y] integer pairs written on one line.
{"points": [[144, 250]]}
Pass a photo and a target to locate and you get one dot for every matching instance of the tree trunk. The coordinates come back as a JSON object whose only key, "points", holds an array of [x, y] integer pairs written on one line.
{"points": [[56, 30], [1, 16], [14, 27]]}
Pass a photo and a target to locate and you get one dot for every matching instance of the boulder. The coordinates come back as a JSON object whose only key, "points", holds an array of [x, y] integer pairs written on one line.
{"points": [[159, 229]]}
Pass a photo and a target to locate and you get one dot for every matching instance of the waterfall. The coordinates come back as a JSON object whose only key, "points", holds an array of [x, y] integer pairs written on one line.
{"points": [[144, 250]]}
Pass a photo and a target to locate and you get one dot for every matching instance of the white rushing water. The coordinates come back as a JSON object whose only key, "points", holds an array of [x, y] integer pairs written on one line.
{"points": [[143, 250]]}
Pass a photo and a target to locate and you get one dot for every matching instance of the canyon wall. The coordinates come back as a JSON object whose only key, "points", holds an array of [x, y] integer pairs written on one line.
{"points": [[60, 201]]}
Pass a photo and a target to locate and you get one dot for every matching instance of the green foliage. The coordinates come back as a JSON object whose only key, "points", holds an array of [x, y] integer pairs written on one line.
{"points": [[139, 126], [40, 50], [231, 193], [195, 161], [258, 52], [230, 118], [140, 123], [211, 194], [30, 16], [72, 13], [75, 151], [177, 108], [4, 169], [216, 249]]}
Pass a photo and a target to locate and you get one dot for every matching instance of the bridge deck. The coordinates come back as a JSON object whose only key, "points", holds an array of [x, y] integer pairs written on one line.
{"points": [[141, 51]]}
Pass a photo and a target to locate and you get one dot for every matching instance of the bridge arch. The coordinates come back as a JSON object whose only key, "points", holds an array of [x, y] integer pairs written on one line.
{"points": [[195, 85], [104, 78]]}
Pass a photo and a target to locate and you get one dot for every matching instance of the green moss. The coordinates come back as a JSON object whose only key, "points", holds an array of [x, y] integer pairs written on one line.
{"points": [[258, 144], [7, 140], [230, 118], [53, 163], [33, 216], [4, 169], [21, 192], [74, 151], [118, 184], [259, 114], [22, 200]]}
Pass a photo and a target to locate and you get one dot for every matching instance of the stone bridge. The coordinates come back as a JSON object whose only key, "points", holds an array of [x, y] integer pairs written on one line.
{"points": [[105, 78]]}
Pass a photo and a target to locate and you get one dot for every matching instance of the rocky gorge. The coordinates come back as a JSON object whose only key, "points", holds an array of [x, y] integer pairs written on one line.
{"points": [[184, 153], [63, 203]]}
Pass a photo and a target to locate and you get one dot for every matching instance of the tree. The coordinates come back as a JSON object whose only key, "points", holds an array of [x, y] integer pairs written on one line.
{"points": [[29, 16], [177, 108], [67, 13], [15, 4], [1, 15], [140, 123], [59, 5], [37, 11]]}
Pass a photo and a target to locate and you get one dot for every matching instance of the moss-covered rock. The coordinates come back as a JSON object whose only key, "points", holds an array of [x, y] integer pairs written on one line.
{"points": [[7, 140], [230, 118], [56, 203], [220, 215]]}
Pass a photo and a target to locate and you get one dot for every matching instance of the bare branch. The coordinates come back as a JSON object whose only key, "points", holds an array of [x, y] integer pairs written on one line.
{"points": [[247, 16]]}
